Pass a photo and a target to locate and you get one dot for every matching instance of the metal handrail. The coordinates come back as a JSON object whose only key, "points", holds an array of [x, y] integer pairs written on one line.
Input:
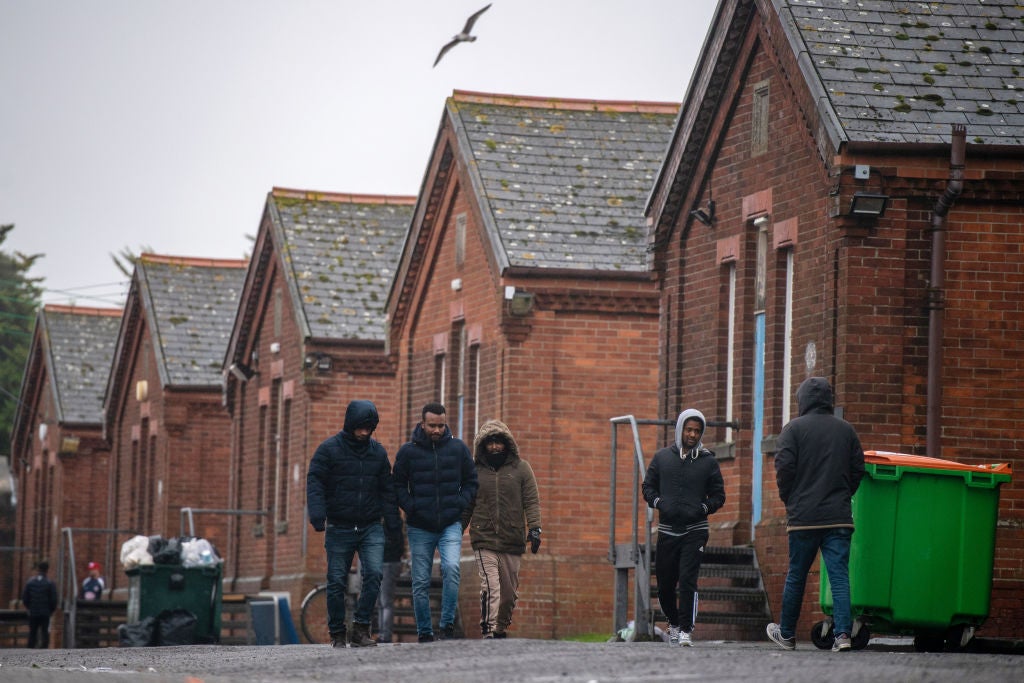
{"points": [[189, 513], [67, 580]]}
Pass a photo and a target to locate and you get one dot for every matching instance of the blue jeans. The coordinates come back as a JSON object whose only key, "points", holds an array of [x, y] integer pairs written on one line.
{"points": [[835, 553], [422, 544], [341, 545]]}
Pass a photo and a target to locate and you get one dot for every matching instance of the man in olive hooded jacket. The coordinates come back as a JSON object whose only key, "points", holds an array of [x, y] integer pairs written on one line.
{"points": [[504, 516]]}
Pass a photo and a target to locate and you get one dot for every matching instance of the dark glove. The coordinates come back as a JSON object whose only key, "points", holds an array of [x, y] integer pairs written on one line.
{"points": [[533, 538], [318, 524]]}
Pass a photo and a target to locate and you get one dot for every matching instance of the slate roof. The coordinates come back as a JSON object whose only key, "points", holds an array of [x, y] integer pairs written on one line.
{"points": [[562, 183], [903, 72], [190, 308], [80, 350], [340, 252]]}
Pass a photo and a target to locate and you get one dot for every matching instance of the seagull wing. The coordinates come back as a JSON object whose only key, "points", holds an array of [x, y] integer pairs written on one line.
{"points": [[472, 19], [444, 49]]}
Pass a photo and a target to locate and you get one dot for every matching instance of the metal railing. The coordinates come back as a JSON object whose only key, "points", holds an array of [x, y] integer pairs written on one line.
{"points": [[189, 514], [67, 579]]}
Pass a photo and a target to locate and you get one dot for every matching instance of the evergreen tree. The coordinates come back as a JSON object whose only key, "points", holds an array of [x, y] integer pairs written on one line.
{"points": [[20, 296]]}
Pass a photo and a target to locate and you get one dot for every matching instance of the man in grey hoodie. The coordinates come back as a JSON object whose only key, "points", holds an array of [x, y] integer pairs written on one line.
{"points": [[684, 483]]}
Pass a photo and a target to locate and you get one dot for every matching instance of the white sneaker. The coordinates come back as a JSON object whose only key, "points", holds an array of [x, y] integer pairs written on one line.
{"points": [[673, 635], [685, 640]]}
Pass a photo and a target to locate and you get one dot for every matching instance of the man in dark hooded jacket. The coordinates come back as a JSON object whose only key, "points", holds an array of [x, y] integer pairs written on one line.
{"points": [[818, 467], [40, 600], [684, 484], [348, 493], [435, 481]]}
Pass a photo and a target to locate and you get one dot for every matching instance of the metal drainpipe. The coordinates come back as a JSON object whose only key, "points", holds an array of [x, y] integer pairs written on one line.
{"points": [[936, 291]]}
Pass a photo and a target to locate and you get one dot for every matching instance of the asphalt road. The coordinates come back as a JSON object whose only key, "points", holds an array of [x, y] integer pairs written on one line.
{"points": [[533, 661]]}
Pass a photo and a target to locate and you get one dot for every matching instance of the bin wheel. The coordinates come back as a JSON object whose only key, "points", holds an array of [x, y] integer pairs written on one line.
{"points": [[860, 641], [929, 643], [822, 635], [959, 638]]}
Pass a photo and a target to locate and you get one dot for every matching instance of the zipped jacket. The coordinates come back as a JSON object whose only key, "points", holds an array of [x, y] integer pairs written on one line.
{"points": [[434, 483], [349, 481], [507, 503]]}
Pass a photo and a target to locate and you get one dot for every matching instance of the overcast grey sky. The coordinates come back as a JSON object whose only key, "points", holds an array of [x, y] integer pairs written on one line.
{"points": [[131, 123]]}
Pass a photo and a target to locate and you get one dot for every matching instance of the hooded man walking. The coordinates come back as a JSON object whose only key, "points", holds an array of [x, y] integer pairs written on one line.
{"points": [[685, 485], [348, 493], [506, 511], [818, 467]]}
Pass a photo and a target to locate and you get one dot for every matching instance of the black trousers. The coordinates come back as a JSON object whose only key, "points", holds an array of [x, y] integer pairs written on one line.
{"points": [[678, 562], [39, 631]]}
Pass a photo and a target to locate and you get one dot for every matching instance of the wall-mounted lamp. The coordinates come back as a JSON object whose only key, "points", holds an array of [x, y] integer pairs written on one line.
{"points": [[321, 361], [241, 371], [866, 204], [69, 445], [705, 216], [521, 303]]}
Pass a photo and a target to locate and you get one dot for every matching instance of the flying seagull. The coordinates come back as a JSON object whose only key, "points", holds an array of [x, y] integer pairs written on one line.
{"points": [[463, 35]]}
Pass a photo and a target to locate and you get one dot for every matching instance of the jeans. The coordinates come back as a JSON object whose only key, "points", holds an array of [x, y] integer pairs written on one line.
{"points": [[835, 553], [422, 544], [341, 545]]}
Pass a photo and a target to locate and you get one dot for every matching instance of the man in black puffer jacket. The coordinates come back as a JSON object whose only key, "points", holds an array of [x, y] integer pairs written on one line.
{"points": [[348, 493], [684, 484], [435, 481]]}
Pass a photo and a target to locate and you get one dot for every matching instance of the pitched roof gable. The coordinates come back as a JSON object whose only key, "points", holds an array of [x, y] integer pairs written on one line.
{"points": [[339, 253], [904, 72], [190, 306], [561, 183], [878, 72], [80, 350]]}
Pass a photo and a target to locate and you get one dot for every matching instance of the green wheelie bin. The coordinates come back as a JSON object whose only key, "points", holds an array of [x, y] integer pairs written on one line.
{"points": [[158, 588], [922, 551]]}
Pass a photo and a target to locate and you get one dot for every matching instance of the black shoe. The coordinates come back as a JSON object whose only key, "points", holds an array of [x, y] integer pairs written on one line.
{"points": [[426, 637], [448, 632], [499, 635], [339, 640]]}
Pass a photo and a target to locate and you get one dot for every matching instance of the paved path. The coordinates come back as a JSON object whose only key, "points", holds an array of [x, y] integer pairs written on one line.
{"points": [[532, 661]]}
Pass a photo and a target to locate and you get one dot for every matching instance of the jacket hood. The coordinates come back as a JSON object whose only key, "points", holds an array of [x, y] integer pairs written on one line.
{"points": [[494, 428], [683, 417], [360, 413], [815, 394]]}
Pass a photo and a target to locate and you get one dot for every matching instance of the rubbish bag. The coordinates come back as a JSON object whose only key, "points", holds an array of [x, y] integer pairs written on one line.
{"points": [[198, 552], [165, 550], [139, 634], [176, 627], [135, 552]]}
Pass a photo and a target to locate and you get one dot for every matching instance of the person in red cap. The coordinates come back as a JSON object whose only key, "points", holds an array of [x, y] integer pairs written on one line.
{"points": [[93, 585]]}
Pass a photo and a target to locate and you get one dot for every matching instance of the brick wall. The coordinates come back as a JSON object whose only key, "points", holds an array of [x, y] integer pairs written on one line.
{"points": [[587, 352], [859, 313]]}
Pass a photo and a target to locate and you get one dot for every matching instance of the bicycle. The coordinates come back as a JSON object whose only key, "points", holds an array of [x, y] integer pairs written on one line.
{"points": [[313, 613]]}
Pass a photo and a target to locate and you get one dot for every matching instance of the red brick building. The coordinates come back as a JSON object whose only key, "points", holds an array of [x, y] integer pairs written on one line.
{"points": [[308, 338], [524, 293], [163, 412], [797, 110], [59, 454]]}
